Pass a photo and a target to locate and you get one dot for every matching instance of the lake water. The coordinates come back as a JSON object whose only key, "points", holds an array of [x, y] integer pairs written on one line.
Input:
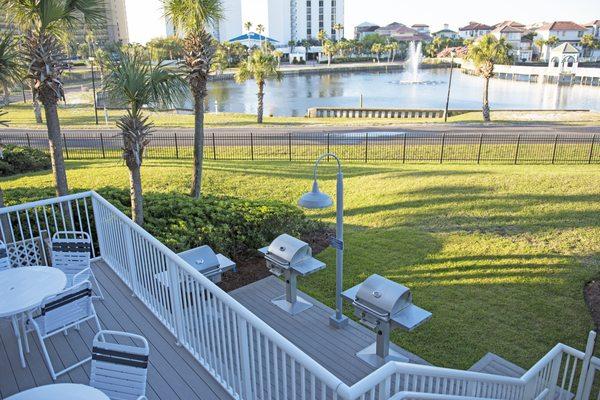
{"points": [[295, 94]]}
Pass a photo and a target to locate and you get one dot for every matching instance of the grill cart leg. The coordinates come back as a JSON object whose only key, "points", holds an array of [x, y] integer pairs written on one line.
{"points": [[379, 353], [291, 302]]}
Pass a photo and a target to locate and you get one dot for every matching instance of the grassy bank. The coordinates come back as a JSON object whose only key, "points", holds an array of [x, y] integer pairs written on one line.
{"points": [[499, 254], [82, 117]]}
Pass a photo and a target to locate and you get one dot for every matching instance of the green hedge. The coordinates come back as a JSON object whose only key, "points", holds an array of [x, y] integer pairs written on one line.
{"points": [[18, 160], [231, 226]]}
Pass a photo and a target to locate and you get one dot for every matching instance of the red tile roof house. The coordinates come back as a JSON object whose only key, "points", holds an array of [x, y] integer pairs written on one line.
{"points": [[513, 33], [593, 28], [403, 33], [474, 30], [565, 31]]}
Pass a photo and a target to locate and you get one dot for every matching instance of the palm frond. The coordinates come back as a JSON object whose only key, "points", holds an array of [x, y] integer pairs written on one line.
{"points": [[192, 15], [12, 69], [260, 66]]}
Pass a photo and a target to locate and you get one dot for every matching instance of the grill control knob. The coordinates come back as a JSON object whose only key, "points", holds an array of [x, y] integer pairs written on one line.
{"points": [[377, 294]]}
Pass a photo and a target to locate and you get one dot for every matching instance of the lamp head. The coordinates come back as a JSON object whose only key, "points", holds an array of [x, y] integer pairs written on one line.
{"points": [[315, 199]]}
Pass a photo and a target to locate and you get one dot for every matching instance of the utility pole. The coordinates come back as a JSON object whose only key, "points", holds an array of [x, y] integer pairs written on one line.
{"points": [[449, 85], [94, 89]]}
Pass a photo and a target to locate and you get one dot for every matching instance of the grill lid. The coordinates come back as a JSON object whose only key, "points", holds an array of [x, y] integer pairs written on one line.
{"points": [[202, 259], [383, 296], [287, 250]]}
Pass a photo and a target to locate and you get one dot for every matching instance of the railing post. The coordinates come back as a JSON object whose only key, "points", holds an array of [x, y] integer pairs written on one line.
{"points": [[366, 147], [65, 146], [251, 146], [517, 149], [480, 146], [592, 149], [176, 145], [102, 145], [585, 366], [404, 149], [214, 146], [554, 149], [553, 379], [290, 145], [99, 225], [176, 302], [133, 275], [442, 149], [246, 368]]}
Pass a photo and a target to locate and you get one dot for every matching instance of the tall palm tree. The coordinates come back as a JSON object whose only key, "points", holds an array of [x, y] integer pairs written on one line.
{"points": [[321, 37], [192, 17], [588, 42], [339, 30], [11, 68], [261, 67], [329, 49], [247, 26], [393, 48], [45, 23], [138, 83], [377, 48], [486, 53]]}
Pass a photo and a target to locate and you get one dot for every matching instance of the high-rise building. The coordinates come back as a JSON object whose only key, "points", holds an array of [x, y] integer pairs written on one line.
{"points": [[296, 20], [228, 27]]}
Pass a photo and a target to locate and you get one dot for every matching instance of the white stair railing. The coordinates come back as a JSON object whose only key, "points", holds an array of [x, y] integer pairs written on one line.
{"points": [[243, 353]]}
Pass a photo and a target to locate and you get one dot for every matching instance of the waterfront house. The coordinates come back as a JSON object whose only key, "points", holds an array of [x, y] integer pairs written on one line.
{"points": [[515, 34], [593, 28], [421, 28], [474, 30], [446, 33], [403, 33], [565, 31], [364, 29], [388, 29]]}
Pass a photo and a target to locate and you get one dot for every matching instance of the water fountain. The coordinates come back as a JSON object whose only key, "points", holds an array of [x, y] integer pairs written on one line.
{"points": [[415, 55]]}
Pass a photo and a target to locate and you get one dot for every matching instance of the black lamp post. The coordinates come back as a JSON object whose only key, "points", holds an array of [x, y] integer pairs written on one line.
{"points": [[94, 89], [453, 54]]}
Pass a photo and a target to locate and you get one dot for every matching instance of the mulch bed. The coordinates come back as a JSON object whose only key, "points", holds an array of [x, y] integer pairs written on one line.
{"points": [[591, 293], [252, 268]]}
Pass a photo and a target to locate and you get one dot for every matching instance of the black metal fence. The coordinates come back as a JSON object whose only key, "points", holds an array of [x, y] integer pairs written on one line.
{"points": [[505, 148]]}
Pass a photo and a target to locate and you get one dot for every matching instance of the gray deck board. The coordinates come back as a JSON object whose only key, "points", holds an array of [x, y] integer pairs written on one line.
{"points": [[173, 373], [310, 331]]}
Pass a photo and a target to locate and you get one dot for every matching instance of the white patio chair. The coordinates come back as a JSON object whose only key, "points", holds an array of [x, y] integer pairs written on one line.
{"points": [[4, 258], [59, 313], [119, 370], [71, 253]]}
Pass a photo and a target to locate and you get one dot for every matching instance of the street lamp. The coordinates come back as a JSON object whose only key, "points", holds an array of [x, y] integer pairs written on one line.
{"points": [[316, 199], [94, 88], [452, 54]]}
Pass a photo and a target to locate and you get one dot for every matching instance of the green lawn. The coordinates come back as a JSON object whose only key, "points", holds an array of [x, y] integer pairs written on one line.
{"points": [[82, 117], [499, 254]]}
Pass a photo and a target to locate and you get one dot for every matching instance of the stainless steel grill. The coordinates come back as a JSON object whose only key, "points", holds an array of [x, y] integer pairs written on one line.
{"points": [[291, 258], [384, 305], [207, 262]]}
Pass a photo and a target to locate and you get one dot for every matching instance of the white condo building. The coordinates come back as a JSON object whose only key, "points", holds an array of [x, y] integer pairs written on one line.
{"points": [[286, 20], [225, 29]]}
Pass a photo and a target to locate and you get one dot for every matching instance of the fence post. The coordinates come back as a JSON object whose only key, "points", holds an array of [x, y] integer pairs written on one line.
{"points": [[177, 303], [554, 149], [65, 146], [102, 145], [244, 350], [366, 147], [290, 145], [404, 149], [214, 146], [517, 149], [480, 146], [442, 149], [176, 145], [28, 139], [328, 151], [592, 149], [585, 365]]}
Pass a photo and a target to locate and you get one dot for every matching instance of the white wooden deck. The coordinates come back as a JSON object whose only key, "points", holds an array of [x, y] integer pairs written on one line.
{"points": [[173, 373], [334, 349]]}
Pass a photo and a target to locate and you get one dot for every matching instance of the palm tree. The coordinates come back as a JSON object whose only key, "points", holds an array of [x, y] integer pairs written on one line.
{"points": [[45, 23], [261, 67], [540, 43], [339, 28], [393, 48], [192, 17], [377, 48], [329, 49], [321, 37], [138, 83], [588, 42], [485, 53], [260, 28], [11, 70], [278, 54], [247, 26]]}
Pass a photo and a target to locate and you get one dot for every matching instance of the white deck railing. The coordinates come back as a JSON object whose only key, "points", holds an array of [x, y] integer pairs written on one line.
{"points": [[243, 353]]}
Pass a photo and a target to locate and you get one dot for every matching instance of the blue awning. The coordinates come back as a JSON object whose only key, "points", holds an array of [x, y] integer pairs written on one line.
{"points": [[252, 36]]}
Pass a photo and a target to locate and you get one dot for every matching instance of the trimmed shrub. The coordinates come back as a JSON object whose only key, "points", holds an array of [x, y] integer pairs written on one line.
{"points": [[231, 226], [18, 160]]}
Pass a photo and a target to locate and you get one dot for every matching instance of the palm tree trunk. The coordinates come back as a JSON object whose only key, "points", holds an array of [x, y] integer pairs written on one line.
{"points": [[56, 149], [198, 143], [261, 96], [486, 101], [36, 106], [6, 93], [135, 191]]}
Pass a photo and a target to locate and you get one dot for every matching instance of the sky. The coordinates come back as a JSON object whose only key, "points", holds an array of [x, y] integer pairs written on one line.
{"points": [[145, 16]]}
